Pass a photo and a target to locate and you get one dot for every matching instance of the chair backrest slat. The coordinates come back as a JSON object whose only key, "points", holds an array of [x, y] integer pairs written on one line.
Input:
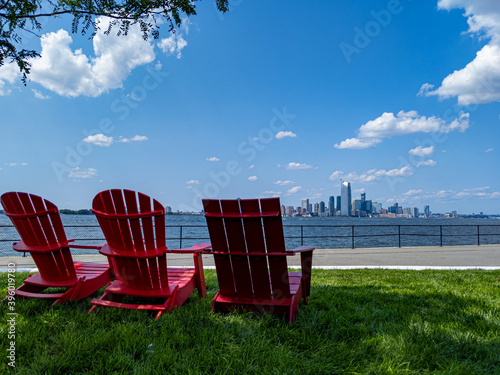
{"points": [[236, 241], [217, 233], [275, 240], [255, 244], [39, 224], [133, 222]]}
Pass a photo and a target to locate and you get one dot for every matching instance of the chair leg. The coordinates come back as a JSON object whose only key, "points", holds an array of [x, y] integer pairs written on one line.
{"points": [[107, 297], [200, 276]]}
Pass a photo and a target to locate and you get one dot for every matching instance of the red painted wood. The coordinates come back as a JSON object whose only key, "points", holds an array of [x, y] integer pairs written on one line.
{"points": [[134, 226], [248, 244], [42, 233], [254, 235], [217, 234], [275, 242], [236, 242]]}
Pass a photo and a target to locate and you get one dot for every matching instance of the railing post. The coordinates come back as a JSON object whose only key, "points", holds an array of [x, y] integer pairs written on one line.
{"points": [[352, 235], [441, 235], [399, 235], [301, 235], [478, 239], [180, 238]]}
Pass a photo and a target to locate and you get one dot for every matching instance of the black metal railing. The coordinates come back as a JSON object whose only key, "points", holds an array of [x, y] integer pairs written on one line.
{"points": [[322, 236]]}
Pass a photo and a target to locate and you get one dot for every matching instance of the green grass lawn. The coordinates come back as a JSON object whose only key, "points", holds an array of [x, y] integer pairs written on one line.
{"points": [[357, 322]]}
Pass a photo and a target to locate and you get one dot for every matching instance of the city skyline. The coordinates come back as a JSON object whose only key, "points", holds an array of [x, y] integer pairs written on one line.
{"points": [[308, 207], [400, 98]]}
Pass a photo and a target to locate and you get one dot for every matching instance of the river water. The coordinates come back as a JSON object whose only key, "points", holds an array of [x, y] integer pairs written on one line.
{"points": [[323, 232]]}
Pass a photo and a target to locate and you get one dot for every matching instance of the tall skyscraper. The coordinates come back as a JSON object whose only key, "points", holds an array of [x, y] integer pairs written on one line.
{"points": [[345, 193], [339, 199], [331, 205]]}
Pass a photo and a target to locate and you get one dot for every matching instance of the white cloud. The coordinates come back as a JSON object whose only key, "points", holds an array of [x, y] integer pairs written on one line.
{"points": [[253, 178], [372, 175], [72, 73], [480, 192], [105, 141], [413, 192], [479, 81], [213, 158], [39, 95], [489, 150], [99, 140], [358, 143], [272, 193], [284, 134], [389, 125], [83, 173], [13, 164], [284, 183], [422, 151], [135, 138], [478, 189], [294, 190], [427, 163], [174, 44], [251, 167], [9, 73], [193, 182], [296, 166]]}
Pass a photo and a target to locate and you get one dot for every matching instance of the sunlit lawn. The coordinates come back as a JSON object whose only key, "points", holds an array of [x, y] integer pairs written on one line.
{"points": [[357, 322]]}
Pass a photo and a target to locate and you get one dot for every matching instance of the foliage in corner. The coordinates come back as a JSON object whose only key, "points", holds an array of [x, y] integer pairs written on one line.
{"points": [[17, 16]]}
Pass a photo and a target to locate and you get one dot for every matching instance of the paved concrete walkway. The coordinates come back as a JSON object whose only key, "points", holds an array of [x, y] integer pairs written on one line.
{"points": [[446, 257]]}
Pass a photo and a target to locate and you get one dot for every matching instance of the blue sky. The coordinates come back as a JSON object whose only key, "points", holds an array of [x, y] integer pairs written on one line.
{"points": [[282, 98]]}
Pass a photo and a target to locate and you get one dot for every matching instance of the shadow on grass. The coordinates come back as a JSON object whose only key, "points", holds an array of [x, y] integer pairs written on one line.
{"points": [[359, 321]]}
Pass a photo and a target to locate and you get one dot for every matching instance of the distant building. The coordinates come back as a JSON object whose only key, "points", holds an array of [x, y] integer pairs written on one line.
{"points": [[427, 211], [393, 209], [345, 193], [339, 200], [356, 205], [331, 205], [316, 207], [414, 212], [305, 205], [368, 207], [168, 209]]}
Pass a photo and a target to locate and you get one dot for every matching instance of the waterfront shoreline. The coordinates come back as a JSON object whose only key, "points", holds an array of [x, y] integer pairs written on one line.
{"points": [[419, 257]]}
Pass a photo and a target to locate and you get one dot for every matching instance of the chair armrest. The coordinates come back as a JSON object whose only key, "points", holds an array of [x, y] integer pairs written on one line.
{"points": [[198, 248], [302, 249], [144, 254], [96, 247], [22, 247]]}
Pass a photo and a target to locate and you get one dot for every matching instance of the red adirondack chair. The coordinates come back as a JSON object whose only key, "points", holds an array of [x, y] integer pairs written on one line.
{"points": [[134, 228], [42, 235], [248, 245]]}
